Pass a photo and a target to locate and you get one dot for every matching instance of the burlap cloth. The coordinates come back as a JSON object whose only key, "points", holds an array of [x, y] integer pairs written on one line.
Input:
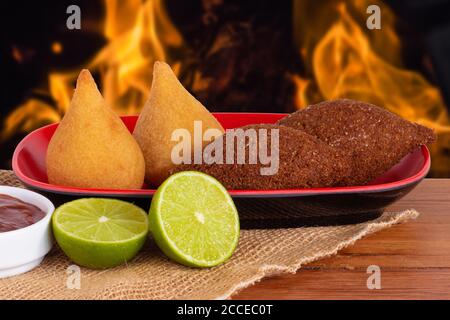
{"points": [[150, 275]]}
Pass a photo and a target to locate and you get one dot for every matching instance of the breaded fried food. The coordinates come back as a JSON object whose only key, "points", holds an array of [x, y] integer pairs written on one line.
{"points": [[170, 107], [375, 139], [92, 148], [303, 162]]}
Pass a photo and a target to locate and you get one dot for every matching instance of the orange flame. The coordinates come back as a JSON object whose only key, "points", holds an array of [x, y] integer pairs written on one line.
{"points": [[342, 58], [346, 61], [139, 34]]}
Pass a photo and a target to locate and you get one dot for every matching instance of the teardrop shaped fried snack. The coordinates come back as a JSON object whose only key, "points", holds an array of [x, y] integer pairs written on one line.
{"points": [[170, 107], [92, 148]]}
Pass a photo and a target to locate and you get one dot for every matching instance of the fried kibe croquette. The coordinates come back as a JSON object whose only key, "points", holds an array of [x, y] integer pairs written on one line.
{"points": [[304, 162], [375, 139]]}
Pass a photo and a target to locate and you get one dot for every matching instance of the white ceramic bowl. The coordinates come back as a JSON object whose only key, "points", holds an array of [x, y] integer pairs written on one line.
{"points": [[24, 249]]}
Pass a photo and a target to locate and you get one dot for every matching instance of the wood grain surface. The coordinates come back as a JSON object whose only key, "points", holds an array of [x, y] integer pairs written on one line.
{"points": [[414, 259]]}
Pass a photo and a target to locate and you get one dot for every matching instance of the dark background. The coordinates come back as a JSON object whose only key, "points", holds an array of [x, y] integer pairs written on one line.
{"points": [[253, 72]]}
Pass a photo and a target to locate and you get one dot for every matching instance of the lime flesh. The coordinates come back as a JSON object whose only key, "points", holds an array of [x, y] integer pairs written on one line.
{"points": [[100, 233], [194, 220]]}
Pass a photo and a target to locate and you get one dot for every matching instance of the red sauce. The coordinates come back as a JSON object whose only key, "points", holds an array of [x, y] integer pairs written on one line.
{"points": [[16, 214]]}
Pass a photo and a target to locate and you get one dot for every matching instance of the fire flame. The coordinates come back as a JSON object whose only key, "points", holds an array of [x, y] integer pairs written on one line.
{"points": [[345, 62], [138, 34], [341, 58]]}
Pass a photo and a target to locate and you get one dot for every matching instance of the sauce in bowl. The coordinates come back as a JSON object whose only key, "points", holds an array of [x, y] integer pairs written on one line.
{"points": [[16, 214]]}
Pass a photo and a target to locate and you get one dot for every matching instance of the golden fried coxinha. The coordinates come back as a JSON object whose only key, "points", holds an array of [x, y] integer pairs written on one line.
{"points": [[169, 108], [92, 148]]}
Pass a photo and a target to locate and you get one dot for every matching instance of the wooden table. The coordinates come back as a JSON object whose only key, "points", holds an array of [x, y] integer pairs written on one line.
{"points": [[414, 259]]}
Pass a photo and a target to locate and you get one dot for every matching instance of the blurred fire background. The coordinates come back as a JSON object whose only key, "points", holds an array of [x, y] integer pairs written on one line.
{"points": [[255, 55]]}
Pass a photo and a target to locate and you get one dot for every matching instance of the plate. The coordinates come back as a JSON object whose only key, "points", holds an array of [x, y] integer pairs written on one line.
{"points": [[257, 208]]}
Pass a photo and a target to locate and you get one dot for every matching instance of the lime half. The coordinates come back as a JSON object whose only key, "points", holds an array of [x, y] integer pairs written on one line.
{"points": [[194, 220], [100, 233]]}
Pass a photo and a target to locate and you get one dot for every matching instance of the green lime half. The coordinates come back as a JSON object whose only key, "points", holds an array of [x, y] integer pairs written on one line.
{"points": [[100, 233], [194, 220]]}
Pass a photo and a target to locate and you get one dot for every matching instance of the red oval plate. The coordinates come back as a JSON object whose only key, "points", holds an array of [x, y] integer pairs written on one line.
{"points": [[29, 165], [257, 208]]}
